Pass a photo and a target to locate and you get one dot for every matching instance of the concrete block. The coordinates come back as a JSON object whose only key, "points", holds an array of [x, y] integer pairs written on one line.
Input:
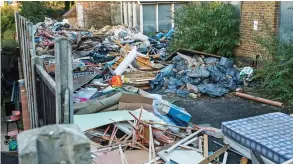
{"points": [[52, 144]]}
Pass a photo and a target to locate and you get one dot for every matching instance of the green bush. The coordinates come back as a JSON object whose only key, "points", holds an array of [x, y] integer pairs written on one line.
{"points": [[277, 74], [9, 34], [7, 20], [211, 27], [36, 11], [9, 45]]}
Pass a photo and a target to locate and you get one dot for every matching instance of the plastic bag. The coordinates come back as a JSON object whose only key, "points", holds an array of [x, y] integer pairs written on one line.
{"points": [[235, 74], [167, 71], [199, 72], [210, 60], [227, 63], [169, 34], [173, 84], [182, 93], [228, 83], [179, 63], [159, 35], [215, 74], [212, 90], [246, 72], [158, 82], [194, 81]]}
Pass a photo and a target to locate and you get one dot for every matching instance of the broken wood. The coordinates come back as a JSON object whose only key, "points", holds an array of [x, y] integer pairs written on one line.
{"points": [[123, 159], [215, 155], [206, 146], [182, 141], [180, 127], [151, 146]]}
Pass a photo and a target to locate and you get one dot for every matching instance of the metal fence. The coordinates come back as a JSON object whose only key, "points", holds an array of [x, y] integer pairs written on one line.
{"points": [[49, 101]]}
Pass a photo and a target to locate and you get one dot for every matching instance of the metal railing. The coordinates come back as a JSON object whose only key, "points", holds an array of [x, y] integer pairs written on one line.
{"points": [[49, 101]]}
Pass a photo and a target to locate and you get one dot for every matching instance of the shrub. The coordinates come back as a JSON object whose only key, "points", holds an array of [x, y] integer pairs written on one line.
{"points": [[9, 34], [9, 45], [211, 27], [7, 19], [277, 74], [36, 11]]}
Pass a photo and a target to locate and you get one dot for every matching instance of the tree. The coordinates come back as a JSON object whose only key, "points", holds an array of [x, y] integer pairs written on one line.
{"points": [[7, 19], [36, 11]]}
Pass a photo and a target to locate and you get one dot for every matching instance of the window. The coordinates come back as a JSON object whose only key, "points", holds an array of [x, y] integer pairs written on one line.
{"points": [[165, 20], [149, 19], [178, 6]]}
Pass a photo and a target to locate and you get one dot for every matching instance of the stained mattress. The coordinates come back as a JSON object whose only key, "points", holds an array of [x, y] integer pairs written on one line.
{"points": [[269, 135]]}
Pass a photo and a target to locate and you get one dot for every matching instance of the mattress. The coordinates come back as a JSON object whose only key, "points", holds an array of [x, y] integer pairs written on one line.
{"points": [[269, 135]]}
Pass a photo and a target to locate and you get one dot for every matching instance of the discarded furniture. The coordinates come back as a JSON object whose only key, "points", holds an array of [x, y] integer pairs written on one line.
{"points": [[268, 136], [14, 118]]}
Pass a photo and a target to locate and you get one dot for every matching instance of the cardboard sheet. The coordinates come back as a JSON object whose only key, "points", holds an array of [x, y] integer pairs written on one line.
{"points": [[90, 121], [132, 102]]}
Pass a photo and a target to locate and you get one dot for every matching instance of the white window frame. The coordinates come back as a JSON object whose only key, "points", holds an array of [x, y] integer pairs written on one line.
{"points": [[128, 6]]}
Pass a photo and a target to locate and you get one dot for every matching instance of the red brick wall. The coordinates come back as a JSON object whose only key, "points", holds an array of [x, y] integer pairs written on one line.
{"points": [[261, 12]]}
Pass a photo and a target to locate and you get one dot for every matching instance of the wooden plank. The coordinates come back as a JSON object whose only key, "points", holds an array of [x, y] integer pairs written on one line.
{"points": [[198, 53], [183, 141], [206, 146], [215, 155]]}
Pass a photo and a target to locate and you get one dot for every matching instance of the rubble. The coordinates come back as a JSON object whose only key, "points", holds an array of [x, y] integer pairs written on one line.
{"points": [[112, 69]]}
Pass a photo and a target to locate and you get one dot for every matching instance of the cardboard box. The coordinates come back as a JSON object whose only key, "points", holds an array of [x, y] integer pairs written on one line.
{"points": [[175, 111], [133, 102]]}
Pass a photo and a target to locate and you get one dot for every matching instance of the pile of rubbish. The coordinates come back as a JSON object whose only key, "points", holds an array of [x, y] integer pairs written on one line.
{"points": [[139, 127], [195, 74], [112, 69]]}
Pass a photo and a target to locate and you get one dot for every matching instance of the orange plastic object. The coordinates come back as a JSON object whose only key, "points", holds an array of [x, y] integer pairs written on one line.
{"points": [[116, 81]]}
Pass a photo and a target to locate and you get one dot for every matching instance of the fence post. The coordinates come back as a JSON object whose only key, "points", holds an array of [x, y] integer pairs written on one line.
{"points": [[63, 80], [33, 69]]}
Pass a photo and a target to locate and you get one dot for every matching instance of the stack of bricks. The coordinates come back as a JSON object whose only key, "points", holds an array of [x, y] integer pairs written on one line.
{"points": [[267, 14]]}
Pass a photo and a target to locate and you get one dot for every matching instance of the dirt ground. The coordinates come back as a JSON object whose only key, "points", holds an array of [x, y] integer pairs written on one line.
{"points": [[214, 111]]}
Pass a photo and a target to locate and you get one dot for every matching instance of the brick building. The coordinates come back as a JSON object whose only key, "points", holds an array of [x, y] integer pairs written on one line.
{"points": [[98, 14], [256, 16]]}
